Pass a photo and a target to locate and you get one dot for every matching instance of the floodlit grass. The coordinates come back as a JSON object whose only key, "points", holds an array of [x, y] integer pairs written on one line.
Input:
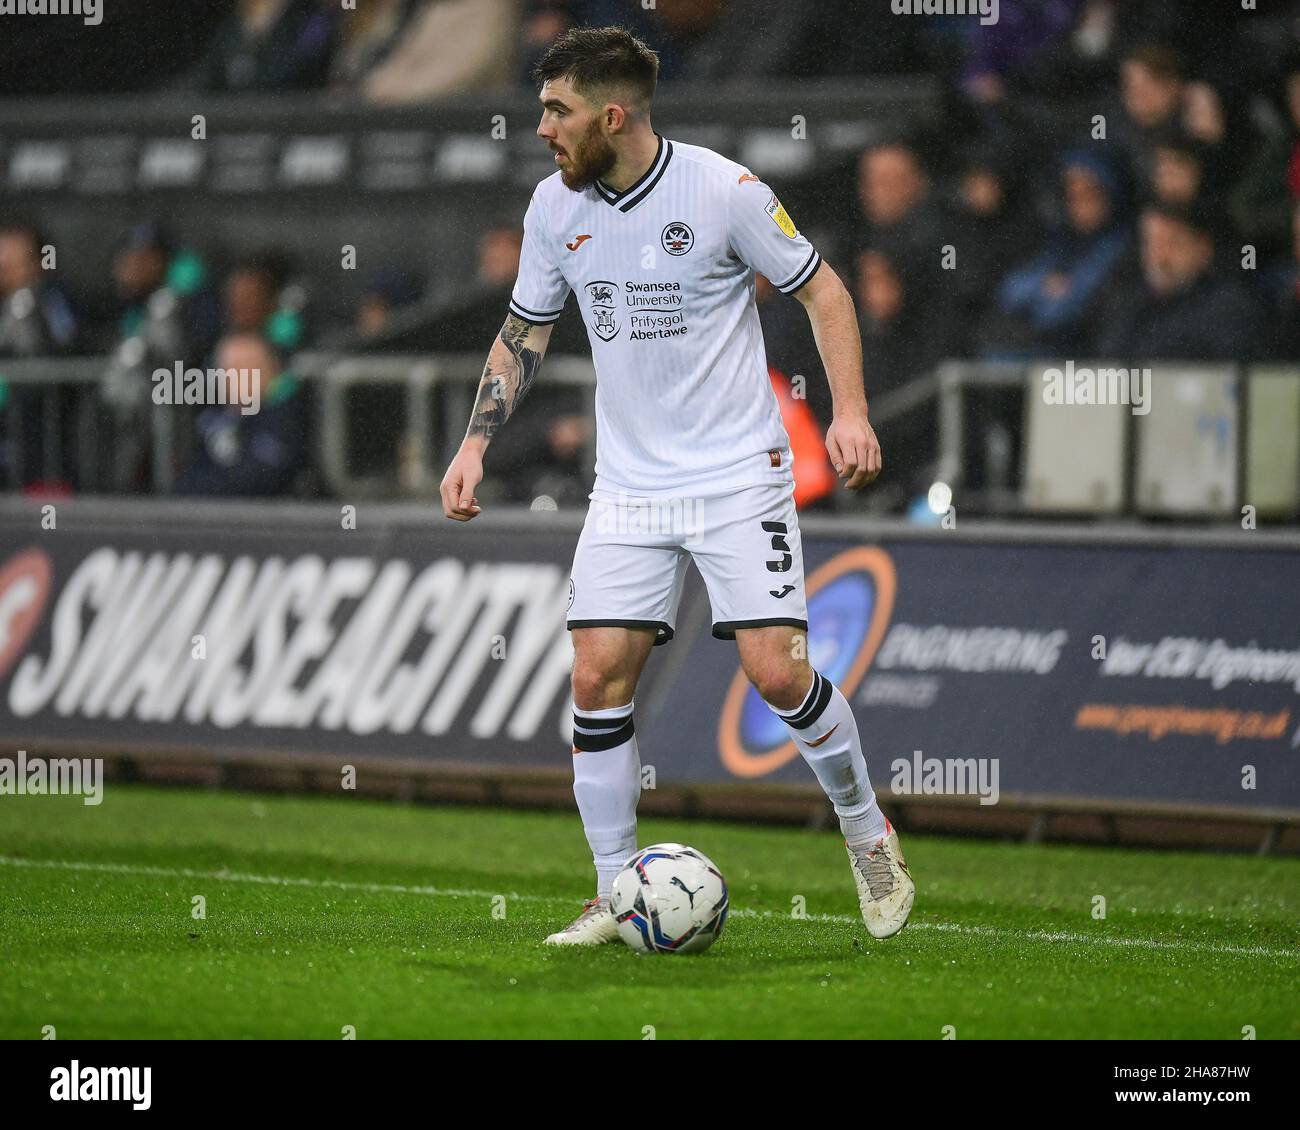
{"points": [[406, 921]]}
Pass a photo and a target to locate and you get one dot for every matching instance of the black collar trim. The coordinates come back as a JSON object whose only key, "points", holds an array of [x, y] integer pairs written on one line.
{"points": [[631, 196]]}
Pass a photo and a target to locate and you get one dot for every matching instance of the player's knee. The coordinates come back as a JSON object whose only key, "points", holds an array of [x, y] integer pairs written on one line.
{"points": [[781, 685], [598, 686]]}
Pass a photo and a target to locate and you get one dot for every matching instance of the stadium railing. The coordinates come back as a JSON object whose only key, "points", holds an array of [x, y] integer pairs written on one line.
{"points": [[1226, 436]]}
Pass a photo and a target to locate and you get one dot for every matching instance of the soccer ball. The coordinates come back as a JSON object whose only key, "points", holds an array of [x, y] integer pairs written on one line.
{"points": [[669, 898]]}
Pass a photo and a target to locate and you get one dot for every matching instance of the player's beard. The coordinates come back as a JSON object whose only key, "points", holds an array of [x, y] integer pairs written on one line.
{"points": [[590, 160]]}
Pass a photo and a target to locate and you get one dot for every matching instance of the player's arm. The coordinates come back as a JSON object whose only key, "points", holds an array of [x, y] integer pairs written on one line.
{"points": [[511, 369], [850, 440]]}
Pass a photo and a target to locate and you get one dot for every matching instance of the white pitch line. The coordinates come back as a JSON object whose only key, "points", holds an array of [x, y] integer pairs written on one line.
{"points": [[226, 876]]}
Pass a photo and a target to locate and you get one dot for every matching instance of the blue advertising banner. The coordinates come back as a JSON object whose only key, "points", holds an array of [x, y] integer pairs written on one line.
{"points": [[1113, 670]]}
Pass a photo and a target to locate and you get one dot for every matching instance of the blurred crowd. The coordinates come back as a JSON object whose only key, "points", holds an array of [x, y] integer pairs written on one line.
{"points": [[1109, 179]]}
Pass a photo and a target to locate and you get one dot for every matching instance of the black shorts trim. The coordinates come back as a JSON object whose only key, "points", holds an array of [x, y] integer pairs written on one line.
{"points": [[726, 630], [665, 631]]}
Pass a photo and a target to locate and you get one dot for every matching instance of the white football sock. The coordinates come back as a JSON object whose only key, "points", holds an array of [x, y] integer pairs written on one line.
{"points": [[607, 786], [838, 762]]}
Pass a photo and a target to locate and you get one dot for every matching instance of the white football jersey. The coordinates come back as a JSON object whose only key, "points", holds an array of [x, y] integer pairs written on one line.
{"points": [[664, 276]]}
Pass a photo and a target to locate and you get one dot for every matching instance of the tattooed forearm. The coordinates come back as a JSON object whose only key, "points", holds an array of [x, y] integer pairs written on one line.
{"points": [[511, 368]]}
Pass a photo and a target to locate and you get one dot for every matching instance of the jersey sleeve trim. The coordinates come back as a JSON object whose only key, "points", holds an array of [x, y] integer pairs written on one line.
{"points": [[536, 317], [802, 275]]}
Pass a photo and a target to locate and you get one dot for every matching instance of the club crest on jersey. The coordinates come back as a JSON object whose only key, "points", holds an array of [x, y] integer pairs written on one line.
{"points": [[781, 217], [600, 295], [677, 238]]}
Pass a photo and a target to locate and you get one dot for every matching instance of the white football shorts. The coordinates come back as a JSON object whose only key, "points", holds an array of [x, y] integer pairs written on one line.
{"points": [[631, 560]]}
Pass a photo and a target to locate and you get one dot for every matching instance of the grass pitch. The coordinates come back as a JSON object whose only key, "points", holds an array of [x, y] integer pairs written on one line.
{"points": [[403, 921]]}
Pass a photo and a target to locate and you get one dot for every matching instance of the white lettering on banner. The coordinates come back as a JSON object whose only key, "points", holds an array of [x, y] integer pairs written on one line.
{"points": [[938, 647], [1213, 661], [344, 644]]}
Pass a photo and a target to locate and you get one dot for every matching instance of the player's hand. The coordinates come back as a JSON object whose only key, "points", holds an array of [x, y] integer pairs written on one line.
{"points": [[459, 483], [854, 450]]}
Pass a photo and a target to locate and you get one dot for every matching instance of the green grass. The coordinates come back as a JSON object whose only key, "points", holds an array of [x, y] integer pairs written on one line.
{"points": [[326, 912]]}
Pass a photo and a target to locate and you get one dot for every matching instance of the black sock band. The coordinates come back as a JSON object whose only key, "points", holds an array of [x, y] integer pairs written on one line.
{"points": [[591, 735], [813, 705]]}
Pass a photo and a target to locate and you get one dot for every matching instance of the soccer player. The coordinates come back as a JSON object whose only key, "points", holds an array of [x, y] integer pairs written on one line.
{"points": [[660, 241]]}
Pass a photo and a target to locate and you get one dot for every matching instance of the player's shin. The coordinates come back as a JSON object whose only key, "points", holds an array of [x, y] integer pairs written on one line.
{"points": [[607, 786], [826, 733]]}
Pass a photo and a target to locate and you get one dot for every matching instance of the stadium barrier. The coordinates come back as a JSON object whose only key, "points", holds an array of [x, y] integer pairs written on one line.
{"points": [[1054, 682], [1205, 442], [1225, 436]]}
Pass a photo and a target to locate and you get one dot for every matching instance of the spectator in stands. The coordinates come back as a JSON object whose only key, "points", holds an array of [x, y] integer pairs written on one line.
{"points": [[1185, 308], [448, 46], [1152, 82], [902, 339], [544, 21], [258, 299], [155, 282], [549, 457], [676, 29], [388, 290], [1048, 305], [1183, 171], [474, 314], [1008, 56], [895, 199], [270, 46], [499, 249], [163, 314], [36, 316], [368, 34], [36, 320], [255, 455], [714, 41], [991, 224], [1263, 202]]}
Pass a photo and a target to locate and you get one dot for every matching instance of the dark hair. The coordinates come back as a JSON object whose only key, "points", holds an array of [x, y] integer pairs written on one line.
{"points": [[271, 265], [1163, 61], [903, 143], [36, 236], [1204, 220], [598, 58], [1178, 140]]}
